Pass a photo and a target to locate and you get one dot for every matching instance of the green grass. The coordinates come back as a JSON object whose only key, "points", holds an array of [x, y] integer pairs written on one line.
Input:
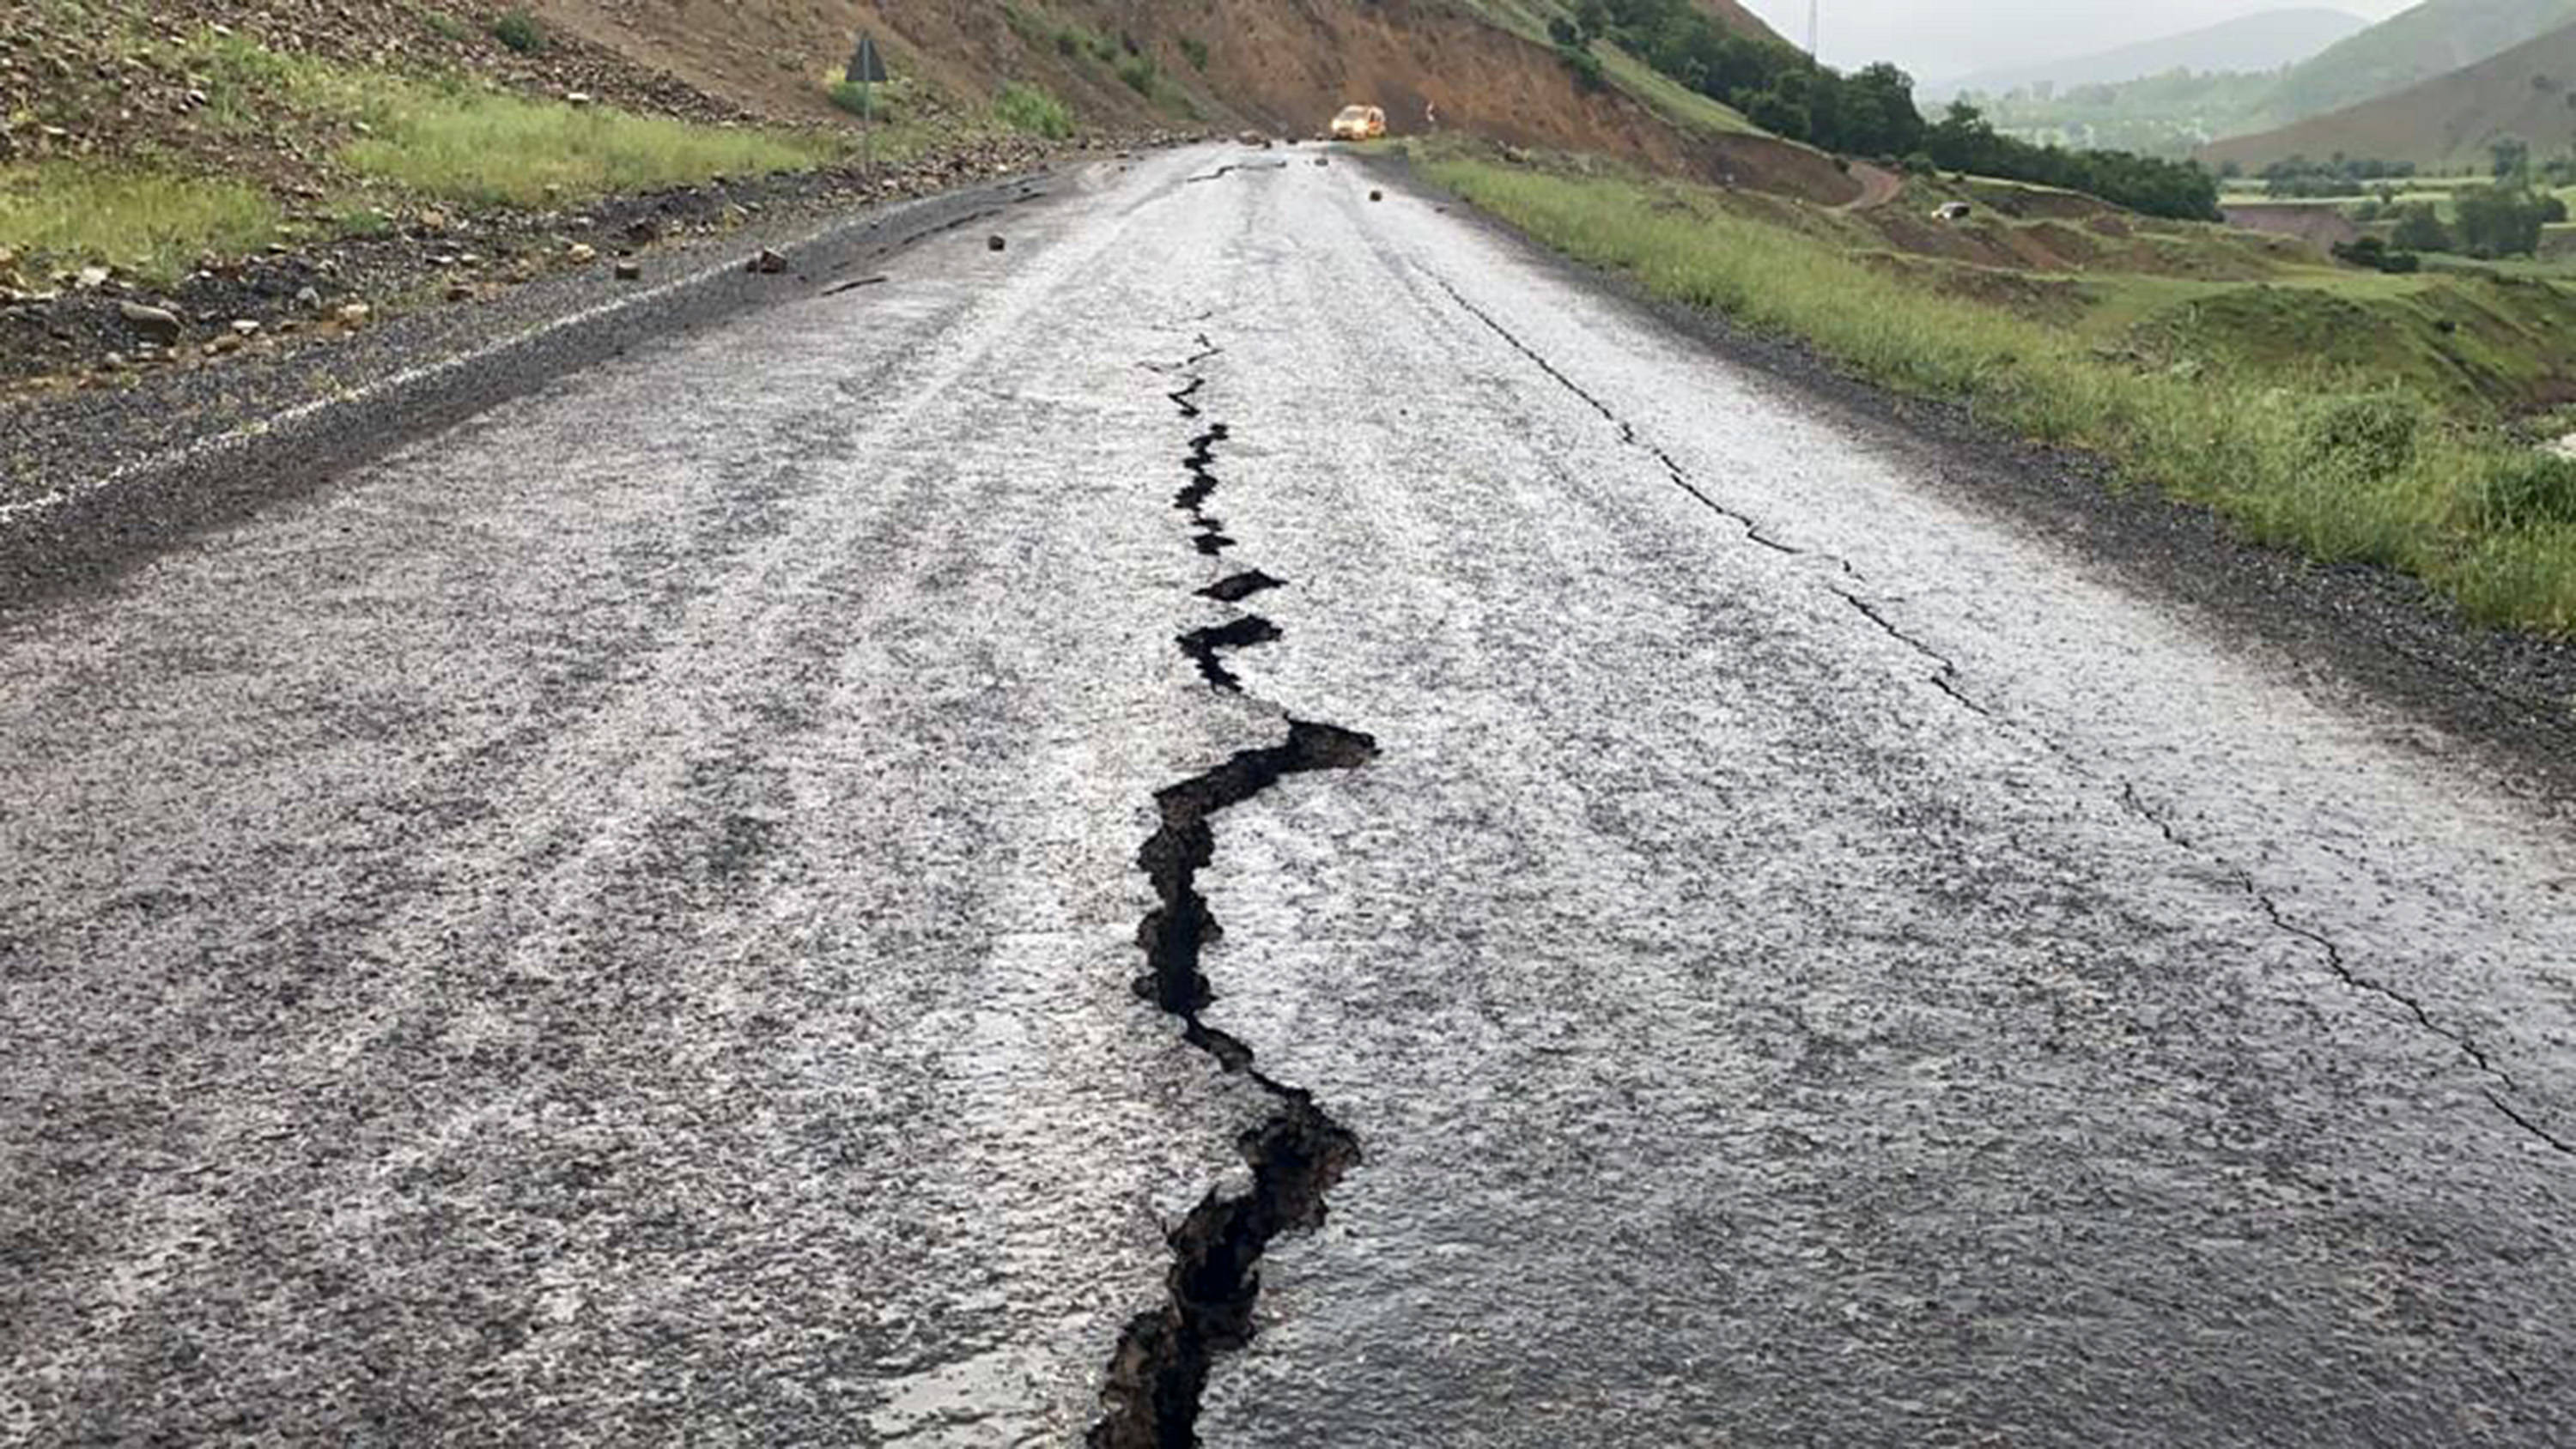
{"points": [[1670, 98], [487, 148], [2344, 462], [444, 138], [429, 138], [152, 222], [1033, 110]]}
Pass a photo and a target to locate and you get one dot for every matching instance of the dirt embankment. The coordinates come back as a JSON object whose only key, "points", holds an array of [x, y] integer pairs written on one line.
{"points": [[1214, 64]]}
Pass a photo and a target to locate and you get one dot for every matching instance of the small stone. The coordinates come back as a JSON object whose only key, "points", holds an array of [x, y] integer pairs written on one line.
{"points": [[309, 298], [355, 314], [153, 324], [91, 278], [578, 98], [460, 292], [227, 345], [198, 99], [581, 254], [995, 244], [765, 263], [245, 327], [1376, 195], [630, 271]]}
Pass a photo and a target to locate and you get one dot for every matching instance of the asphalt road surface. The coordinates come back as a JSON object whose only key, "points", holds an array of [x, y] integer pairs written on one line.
{"points": [[753, 898]]}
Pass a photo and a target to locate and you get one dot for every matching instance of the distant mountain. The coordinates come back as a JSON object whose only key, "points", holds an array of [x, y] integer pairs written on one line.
{"points": [[2264, 42], [2444, 124], [2431, 40]]}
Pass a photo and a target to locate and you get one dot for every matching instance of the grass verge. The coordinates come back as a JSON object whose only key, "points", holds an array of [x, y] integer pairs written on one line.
{"points": [[149, 221], [403, 137], [492, 148], [2335, 462], [1031, 109]]}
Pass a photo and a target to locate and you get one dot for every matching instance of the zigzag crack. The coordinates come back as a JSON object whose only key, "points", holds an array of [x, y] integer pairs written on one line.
{"points": [[1203, 646], [1235, 588], [1159, 1371]]}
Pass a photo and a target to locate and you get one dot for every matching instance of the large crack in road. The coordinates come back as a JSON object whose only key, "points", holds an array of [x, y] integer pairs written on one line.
{"points": [[1829, 961], [1159, 1372]]}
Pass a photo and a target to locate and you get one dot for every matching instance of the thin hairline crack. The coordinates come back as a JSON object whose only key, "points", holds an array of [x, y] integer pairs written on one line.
{"points": [[1947, 678]]}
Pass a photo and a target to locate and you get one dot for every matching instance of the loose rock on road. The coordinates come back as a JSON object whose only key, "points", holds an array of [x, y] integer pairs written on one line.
{"points": [[867, 875]]}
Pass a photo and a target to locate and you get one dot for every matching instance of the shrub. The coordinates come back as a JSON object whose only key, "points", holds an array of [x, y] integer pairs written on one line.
{"points": [[1588, 72], [1032, 109], [1139, 73], [861, 100], [2420, 229], [1195, 50], [519, 30], [2365, 439], [2529, 488]]}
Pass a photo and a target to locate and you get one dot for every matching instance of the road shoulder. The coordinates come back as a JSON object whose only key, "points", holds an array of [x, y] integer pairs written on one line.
{"points": [[95, 482], [2509, 696]]}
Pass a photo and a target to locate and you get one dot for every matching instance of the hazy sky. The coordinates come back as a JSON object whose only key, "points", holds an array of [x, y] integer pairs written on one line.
{"points": [[1936, 38]]}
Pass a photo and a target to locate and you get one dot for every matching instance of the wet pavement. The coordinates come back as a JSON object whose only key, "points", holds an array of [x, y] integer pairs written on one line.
{"points": [[769, 893]]}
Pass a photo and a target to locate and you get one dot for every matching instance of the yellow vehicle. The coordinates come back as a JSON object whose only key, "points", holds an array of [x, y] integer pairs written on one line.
{"points": [[1359, 123]]}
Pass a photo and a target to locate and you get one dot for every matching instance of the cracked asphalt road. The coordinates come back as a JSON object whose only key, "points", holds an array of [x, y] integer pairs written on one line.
{"points": [[618, 923]]}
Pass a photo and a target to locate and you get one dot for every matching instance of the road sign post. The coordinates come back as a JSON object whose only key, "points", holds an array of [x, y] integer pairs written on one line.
{"points": [[867, 71]]}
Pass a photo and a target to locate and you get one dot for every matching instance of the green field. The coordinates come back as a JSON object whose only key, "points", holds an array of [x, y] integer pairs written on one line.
{"points": [[2347, 414]]}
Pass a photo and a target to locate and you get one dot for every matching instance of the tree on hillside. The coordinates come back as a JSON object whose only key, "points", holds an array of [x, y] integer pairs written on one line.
{"points": [[2512, 156], [2500, 221], [1879, 118], [2420, 229], [1872, 112]]}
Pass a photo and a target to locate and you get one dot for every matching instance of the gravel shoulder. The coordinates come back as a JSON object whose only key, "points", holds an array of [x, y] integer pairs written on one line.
{"points": [[93, 481], [2341, 626]]}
